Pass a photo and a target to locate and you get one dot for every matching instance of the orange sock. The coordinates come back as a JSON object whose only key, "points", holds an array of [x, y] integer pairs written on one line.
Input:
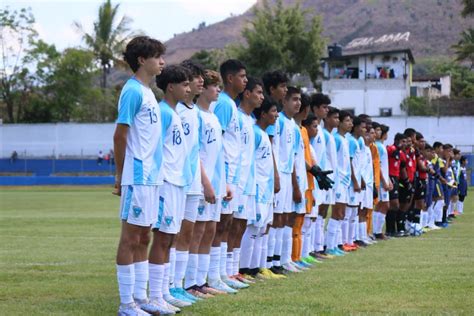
{"points": [[369, 221], [297, 243]]}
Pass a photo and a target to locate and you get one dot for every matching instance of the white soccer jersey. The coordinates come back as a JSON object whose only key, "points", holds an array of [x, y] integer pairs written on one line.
{"points": [[190, 123], [367, 166], [319, 146], [343, 176], [226, 111], [355, 154], [176, 164], [211, 151], [331, 153], [300, 162], [138, 108], [383, 159], [273, 131], [264, 166], [286, 147], [247, 163]]}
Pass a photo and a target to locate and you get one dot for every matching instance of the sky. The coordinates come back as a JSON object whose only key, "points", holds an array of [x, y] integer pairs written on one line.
{"points": [[160, 19]]}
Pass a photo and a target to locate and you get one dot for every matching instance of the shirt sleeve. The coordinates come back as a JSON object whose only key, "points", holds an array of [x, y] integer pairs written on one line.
{"points": [[166, 119], [337, 140], [352, 147], [129, 105], [271, 130], [223, 111]]}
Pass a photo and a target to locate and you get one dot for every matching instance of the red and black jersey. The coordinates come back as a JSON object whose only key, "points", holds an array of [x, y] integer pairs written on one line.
{"points": [[422, 174], [411, 163], [393, 161]]}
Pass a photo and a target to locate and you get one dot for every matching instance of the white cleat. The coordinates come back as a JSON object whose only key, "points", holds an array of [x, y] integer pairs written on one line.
{"points": [[155, 306], [175, 302], [131, 310]]}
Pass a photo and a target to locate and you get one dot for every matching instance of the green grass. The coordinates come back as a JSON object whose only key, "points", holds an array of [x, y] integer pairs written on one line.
{"points": [[57, 252]]}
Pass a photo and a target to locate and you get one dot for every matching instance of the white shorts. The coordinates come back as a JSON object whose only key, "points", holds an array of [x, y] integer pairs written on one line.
{"points": [[284, 198], [171, 209], [139, 204], [353, 198], [367, 198], [229, 207], [383, 195], [341, 194], [320, 196], [330, 197], [209, 212], [191, 207], [314, 212], [264, 215], [246, 207], [299, 208]]}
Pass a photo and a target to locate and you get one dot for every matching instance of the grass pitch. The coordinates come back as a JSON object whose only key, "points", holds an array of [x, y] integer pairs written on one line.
{"points": [[57, 252]]}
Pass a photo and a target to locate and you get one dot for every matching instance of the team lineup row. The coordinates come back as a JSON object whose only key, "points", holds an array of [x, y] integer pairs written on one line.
{"points": [[235, 185]]}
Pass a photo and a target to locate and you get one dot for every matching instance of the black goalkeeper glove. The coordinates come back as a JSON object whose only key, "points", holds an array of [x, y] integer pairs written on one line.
{"points": [[324, 182]]}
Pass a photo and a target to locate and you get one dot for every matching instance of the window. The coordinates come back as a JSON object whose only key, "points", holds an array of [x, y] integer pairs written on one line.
{"points": [[385, 111]]}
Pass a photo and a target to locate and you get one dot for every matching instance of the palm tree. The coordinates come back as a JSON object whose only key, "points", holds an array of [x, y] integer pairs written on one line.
{"points": [[108, 38], [465, 47]]}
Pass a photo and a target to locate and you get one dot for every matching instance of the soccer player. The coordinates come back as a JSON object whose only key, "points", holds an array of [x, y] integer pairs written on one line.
{"points": [[250, 99], [350, 222], [284, 198], [462, 186], [419, 211], [174, 82], [179, 253], [394, 153], [257, 229], [386, 185], [138, 151], [320, 107], [455, 166], [447, 174], [341, 185], [430, 188], [234, 78], [407, 185], [376, 189], [438, 181]]}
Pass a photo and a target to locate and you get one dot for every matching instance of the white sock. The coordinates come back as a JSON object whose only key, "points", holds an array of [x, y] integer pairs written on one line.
{"points": [[214, 263], [380, 222], [172, 266], [339, 234], [306, 237], [203, 267], [191, 270], [287, 243], [460, 207], [230, 263], [235, 268], [323, 235], [278, 247], [247, 246], [157, 272], [423, 217], [375, 221], [126, 282], [223, 260], [352, 226], [345, 225], [431, 215], [331, 233], [257, 251], [141, 280], [438, 207], [318, 232], [264, 254], [166, 279], [180, 267], [363, 231], [271, 247]]}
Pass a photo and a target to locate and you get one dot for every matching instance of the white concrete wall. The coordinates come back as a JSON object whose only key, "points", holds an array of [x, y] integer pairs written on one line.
{"points": [[66, 139]]}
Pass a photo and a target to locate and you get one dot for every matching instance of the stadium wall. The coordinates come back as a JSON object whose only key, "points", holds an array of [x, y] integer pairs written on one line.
{"points": [[68, 140]]}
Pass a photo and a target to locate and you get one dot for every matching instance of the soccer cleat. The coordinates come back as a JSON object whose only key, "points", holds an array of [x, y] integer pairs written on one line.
{"points": [[131, 310], [250, 278], [155, 306], [347, 248], [289, 267], [354, 245], [361, 244], [172, 307], [175, 301], [208, 289], [182, 295], [323, 256], [334, 252], [244, 278], [380, 237], [196, 291], [233, 283], [221, 286], [269, 273], [298, 266], [340, 251], [304, 264], [309, 260]]}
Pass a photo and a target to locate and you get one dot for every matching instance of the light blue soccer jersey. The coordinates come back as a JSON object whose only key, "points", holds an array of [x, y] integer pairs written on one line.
{"points": [[190, 123], [383, 159], [355, 154], [176, 164], [331, 153], [264, 166], [367, 168], [247, 163], [343, 176], [273, 131], [226, 111], [211, 151], [300, 162], [138, 108], [319, 146], [286, 146]]}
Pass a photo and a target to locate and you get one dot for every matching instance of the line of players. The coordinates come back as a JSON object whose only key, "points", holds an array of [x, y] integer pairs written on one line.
{"points": [[233, 190]]}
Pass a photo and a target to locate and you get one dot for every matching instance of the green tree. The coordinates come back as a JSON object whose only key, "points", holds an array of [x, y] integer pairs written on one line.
{"points": [[468, 8], [16, 34], [108, 37], [465, 47], [280, 37]]}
